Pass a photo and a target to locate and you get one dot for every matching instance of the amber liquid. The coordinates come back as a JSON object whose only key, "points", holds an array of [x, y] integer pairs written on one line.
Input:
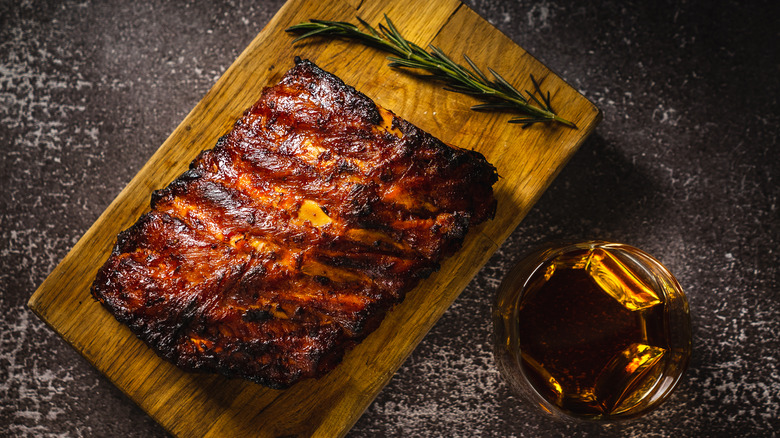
{"points": [[592, 334]]}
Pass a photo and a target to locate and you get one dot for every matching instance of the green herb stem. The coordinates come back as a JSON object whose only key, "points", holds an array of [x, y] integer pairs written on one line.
{"points": [[496, 93]]}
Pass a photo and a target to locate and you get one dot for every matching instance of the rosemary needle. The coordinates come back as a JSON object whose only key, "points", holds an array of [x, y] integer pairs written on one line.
{"points": [[496, 93]]}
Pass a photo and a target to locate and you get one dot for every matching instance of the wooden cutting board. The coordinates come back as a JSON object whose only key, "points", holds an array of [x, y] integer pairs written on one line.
{"points": [[527, 160]]}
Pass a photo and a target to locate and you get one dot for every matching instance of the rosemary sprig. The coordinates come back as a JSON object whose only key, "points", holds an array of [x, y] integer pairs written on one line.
{"points": [[496, 93]]}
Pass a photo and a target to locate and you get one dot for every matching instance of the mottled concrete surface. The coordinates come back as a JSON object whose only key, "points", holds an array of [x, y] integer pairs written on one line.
{"points": [[684, 165]]}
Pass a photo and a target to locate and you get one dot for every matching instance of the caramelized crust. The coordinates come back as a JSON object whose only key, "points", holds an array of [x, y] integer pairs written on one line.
{"points": [[286, 244]]}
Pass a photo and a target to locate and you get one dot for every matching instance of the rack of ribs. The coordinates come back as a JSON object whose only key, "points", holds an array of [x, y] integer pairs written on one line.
{"points": [[285, 245]]}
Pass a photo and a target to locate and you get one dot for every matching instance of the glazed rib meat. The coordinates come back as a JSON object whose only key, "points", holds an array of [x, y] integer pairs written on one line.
{"points": [[285, 245]]}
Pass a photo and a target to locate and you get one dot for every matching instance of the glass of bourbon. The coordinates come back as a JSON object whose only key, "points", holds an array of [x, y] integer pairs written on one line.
{"points": [[591, 330]]}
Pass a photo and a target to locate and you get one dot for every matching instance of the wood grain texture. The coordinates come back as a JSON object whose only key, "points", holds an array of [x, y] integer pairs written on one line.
{"points": [[189, 404]]}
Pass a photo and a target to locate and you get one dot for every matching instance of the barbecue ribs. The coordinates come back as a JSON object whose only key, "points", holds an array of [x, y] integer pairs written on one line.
{"points": [[285, 245]]}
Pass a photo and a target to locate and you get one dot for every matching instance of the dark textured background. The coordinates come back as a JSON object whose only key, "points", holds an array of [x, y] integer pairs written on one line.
{"points": [[684, 165]]}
